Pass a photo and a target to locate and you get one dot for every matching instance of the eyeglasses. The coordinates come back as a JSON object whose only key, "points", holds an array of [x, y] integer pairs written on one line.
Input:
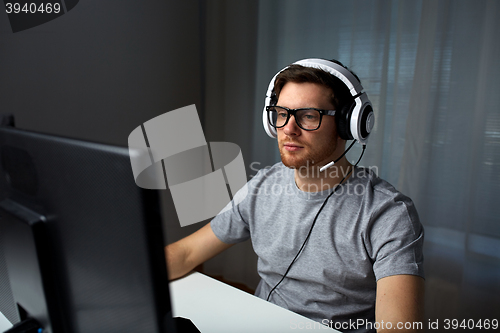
{"points": [[309, 119]]}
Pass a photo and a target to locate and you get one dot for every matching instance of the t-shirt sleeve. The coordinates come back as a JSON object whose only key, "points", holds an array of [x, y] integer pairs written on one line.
{"points": [[231, 226], [396, 239]]}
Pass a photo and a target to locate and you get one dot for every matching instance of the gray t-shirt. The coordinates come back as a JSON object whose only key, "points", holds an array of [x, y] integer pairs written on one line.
{"points": [[367, 230]]}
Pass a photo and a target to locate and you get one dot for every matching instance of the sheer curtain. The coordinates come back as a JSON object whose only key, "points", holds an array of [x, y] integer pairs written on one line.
{"points": [[431, 70]]}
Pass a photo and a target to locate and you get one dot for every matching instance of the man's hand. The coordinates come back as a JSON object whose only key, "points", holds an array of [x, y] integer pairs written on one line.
{"points": [[400, 302], [193, 250]]}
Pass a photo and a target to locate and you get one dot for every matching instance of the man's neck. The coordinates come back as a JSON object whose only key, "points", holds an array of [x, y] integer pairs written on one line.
{"points": [[311, 180]]}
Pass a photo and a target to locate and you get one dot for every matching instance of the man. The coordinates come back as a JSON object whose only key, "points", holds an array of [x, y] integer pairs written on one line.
{"points": [[340, 246]]}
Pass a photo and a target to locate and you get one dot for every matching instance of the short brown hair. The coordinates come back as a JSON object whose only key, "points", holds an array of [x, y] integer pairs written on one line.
{"points": [[302, 74]]}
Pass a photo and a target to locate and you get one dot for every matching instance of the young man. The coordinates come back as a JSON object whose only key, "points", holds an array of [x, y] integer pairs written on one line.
{"points": [[338, 245]]}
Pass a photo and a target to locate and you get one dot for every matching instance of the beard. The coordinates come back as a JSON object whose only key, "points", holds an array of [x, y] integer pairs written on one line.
{"points": [[308, 156]]}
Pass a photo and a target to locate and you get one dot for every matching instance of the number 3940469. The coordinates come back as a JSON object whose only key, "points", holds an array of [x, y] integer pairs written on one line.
{"points": [[470, 324], [32, 8]]}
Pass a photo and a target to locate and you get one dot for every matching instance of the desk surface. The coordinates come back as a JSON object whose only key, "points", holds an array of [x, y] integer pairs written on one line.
{"points": [[4, 323], [215, 307]]}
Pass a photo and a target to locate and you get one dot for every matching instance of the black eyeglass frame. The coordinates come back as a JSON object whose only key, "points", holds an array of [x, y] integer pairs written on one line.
{"points": [[293, 111]]}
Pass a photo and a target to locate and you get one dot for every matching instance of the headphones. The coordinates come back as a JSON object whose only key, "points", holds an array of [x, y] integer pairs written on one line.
{"points": [[355, 120]]}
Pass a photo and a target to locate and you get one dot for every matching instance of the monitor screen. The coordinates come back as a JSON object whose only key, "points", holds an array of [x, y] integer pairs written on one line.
{"points": [[81, 245]]}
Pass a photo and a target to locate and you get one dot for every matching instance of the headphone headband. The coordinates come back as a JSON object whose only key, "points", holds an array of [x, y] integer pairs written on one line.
{"points": [[356, 122], [336, 70]]}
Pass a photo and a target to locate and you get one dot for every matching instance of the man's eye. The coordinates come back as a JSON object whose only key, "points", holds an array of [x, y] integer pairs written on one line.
{"points": [[282, 114], [310, 116]]}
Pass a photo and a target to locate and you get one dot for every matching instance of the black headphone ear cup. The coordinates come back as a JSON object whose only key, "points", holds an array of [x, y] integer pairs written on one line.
{"points": [[366, 122], [343, 118]]}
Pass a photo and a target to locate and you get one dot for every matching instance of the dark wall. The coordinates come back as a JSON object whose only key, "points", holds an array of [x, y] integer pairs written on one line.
{"points": [[103, 68]]}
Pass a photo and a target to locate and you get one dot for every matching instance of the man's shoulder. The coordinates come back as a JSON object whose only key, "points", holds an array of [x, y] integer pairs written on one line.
{"points": [[377, 188]]}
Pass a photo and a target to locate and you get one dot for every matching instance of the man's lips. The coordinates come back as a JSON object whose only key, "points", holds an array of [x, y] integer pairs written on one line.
{"points": [[292, 146]]}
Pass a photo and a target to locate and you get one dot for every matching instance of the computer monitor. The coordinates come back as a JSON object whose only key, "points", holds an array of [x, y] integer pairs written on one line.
{"points": [[81, 245]]}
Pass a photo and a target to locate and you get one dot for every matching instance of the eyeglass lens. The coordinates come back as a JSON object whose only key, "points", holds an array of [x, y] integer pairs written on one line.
{"points": [[308, 119]]}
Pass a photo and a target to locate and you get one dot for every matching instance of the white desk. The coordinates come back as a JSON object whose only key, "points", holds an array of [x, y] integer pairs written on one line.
{"points": [[4, 323], [215, 307]]}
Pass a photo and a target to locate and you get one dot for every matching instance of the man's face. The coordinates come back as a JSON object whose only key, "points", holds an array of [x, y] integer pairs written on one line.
{"points": [[300, 148]]}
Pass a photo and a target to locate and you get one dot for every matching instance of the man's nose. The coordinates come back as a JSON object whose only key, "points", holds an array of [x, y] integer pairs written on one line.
{"points": [[291, 128]]}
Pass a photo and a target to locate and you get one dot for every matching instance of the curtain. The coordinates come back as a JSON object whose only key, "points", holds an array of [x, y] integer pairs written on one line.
{"points": [[431, 71]]}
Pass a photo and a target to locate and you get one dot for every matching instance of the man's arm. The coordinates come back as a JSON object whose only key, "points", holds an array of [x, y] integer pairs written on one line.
{"points": [[400, 301], [193, 250]]}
